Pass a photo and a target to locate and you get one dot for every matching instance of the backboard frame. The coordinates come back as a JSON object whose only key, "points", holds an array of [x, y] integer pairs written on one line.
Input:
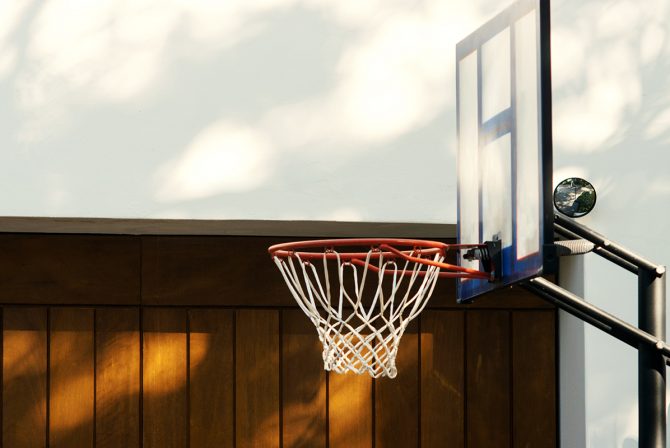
{"points": [[500, 125]]}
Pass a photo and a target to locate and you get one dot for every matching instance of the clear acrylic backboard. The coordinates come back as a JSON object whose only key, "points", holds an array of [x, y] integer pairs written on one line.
{"points": [[503, 87]]}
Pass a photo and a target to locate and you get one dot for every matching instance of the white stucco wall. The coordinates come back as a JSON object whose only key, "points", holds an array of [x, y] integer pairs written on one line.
{"points": [[238, 109], [329, 109]]}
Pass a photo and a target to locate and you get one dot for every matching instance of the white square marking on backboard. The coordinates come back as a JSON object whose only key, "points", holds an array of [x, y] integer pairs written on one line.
{"points": [[527, 137], [468, 153], [496, 75], [496, 173]]}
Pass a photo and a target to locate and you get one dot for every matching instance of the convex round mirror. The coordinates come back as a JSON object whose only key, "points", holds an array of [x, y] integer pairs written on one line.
{"points": [[574, 197]]}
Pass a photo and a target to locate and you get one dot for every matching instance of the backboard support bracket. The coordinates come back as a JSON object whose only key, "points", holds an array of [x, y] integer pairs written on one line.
{"points": [[490, 257], [648, 338]]}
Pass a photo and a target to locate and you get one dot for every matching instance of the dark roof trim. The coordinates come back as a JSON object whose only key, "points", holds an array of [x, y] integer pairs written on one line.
{"points": [[225, 227]]}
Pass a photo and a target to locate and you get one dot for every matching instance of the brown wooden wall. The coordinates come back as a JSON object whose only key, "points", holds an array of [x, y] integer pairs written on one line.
{"points": [[122, 341]]}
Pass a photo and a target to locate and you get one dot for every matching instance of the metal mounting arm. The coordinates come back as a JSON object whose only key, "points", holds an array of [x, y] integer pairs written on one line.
{"points": [[593, 315], [490, 256], [606, 246], [648, 337]]}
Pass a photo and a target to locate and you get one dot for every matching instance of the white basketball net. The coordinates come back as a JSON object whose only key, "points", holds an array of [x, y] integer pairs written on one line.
{"points": [[360, 334]]}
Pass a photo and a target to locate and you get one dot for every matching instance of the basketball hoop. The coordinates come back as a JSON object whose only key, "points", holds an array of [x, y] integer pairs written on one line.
{"points": [[381, 284]]}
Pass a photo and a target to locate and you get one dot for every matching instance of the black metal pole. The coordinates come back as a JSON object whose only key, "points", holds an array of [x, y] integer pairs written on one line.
{"points": [[651, 317], [651, 363]]}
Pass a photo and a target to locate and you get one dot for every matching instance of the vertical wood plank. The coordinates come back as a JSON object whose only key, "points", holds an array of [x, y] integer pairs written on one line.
{"points": [[534, 378], [71, 388], [165, 412], [24, 377], [117, 385], [488, 379], [397, 399], [442, 379], [350, 410], [257, 379], [211, 378], [303, 383]]}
